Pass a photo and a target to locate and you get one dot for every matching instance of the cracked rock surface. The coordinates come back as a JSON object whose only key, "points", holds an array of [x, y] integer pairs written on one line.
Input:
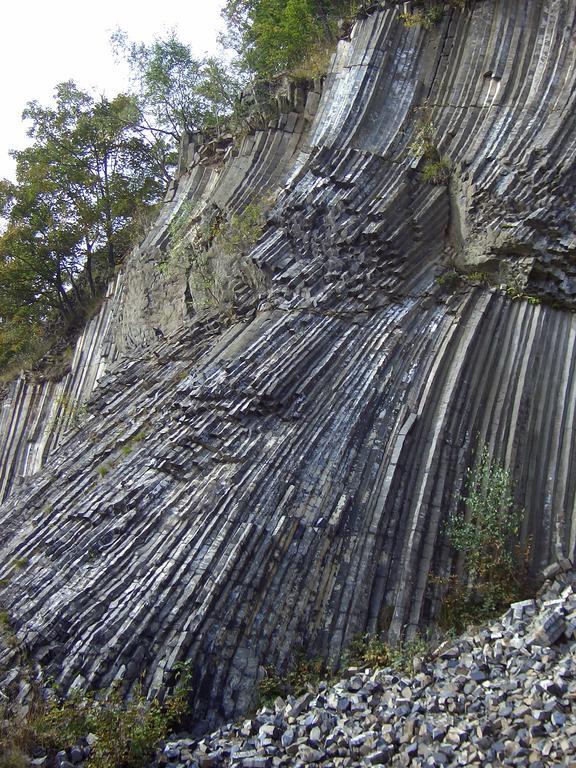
{"points": [[225, 487], [503, 695]]}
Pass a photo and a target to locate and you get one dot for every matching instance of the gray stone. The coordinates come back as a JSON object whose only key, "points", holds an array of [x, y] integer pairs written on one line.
{"points": [[551, 570], [300, 705], [209, 760], [309, 755], [355, 683], [287, 737]]}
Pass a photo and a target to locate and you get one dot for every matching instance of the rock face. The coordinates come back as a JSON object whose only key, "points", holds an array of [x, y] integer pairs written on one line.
{"points": [[36, 416], [276, 475], [497, 697]]}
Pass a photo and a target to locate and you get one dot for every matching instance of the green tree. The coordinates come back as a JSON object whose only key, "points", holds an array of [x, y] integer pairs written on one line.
{"points": [[79, 184], [272, 36], [89, 165], [20, 311], [177, 92], [486, 535]]}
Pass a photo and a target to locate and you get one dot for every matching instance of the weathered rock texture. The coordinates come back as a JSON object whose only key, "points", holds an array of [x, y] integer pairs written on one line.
{"points": [[276, 474], [503, 696], [37, 413]]}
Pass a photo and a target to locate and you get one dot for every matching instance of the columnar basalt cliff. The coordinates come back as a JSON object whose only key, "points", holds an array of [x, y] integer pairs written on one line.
{"points": [[274, 473]]}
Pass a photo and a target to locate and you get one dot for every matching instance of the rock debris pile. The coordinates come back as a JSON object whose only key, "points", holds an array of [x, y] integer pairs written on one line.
{"points": [[502, 696]]}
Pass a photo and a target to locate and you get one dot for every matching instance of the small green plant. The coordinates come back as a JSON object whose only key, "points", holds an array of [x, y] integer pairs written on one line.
{"points": [[436, 169], [76, 412], [14, 758], [436, 172], [423, 143], [7, 631], [517, 294], [373, 651], [242, 231], [478, 277], [20, 562], [305, 672], [449, 279], [129, 446], [428, 15], [423, 17], [127, 732], [485, 535], [103, 470]]}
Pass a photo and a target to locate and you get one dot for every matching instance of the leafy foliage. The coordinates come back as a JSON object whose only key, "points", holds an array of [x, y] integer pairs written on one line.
{"points": [[372, 651], [69, 215], [272, 36], [243, 229], [486, 534], [424, 142], [436, 169], [366, 651], [175, 91], [127, 732], [517, 293], [436, 172], [428, 14], [423, 17], [13, 758], [295, 682]]}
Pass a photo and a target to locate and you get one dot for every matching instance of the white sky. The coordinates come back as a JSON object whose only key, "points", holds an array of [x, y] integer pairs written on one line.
{"points": [[45, 42]]}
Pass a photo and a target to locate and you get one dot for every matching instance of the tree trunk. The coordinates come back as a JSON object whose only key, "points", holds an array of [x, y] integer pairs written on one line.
{"points": [[104, 185], [108, 216], [74, 286], [89, 273], [67, 308]]}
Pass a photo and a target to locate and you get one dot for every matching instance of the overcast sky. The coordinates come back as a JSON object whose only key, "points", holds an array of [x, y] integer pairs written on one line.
{"points": [[45, 42]]}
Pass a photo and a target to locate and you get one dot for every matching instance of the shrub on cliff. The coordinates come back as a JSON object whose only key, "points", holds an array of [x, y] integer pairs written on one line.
{"points": [[435, 168], [175, 90], [273, 36], [68, 218], [486, 536]]}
